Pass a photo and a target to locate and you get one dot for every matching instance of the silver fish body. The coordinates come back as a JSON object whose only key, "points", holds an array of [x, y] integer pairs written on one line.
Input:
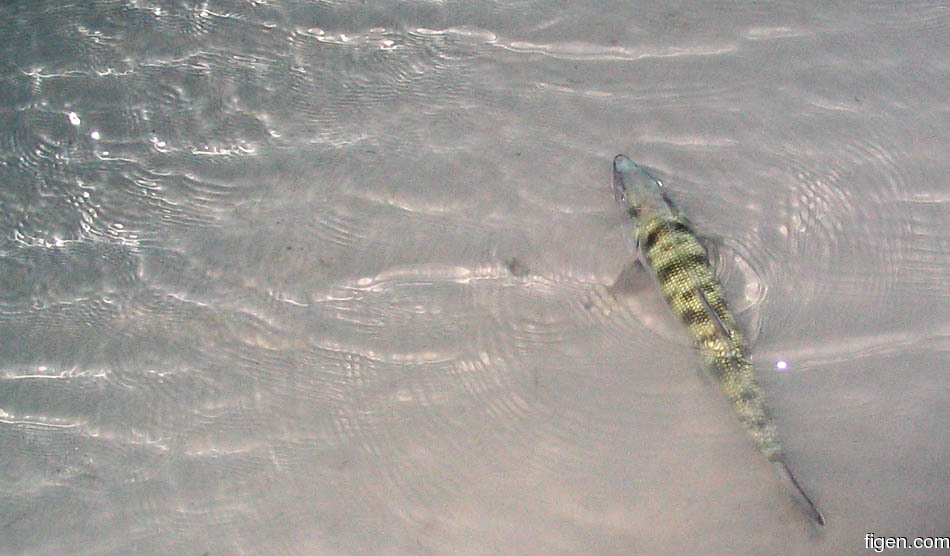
{"points": [[669, 248]]}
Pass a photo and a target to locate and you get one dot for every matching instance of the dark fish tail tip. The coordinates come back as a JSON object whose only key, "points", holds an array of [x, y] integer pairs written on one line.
{"points": [[799, 494]]}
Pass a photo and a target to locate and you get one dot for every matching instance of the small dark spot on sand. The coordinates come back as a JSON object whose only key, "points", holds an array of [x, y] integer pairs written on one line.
{"points": [[290, 248], [516, 267]]}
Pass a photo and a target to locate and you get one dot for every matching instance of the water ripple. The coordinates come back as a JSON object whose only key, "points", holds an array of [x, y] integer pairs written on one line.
{"points": [[590, 51]]}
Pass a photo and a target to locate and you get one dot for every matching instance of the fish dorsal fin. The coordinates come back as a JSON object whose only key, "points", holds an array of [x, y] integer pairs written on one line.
{"points": [[632, 279], [713, 316]]}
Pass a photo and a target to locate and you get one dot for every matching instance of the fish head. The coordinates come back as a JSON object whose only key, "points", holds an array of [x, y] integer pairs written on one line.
{"points": [[638, 191]]}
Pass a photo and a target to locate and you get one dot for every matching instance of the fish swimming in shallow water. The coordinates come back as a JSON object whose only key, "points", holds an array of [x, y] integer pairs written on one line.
{"points": [[667, 246]]}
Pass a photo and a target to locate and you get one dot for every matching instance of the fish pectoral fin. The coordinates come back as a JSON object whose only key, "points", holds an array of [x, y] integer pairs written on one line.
{"points": [[712, 247], [798, 493], [706, 375], [713, 316], [634, 278]]}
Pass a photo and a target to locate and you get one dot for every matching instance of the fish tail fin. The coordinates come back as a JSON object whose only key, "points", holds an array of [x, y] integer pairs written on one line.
{"points": [[798, 493]]}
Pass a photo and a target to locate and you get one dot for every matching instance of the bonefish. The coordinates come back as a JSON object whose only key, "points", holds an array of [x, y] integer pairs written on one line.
{"points": [[667, 246]]}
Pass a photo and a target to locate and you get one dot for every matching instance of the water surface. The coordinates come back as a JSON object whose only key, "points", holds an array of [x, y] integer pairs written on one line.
{"points": [[334, 277]]}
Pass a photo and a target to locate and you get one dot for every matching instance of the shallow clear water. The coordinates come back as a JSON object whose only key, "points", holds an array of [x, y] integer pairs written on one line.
{"points": [[333, 277]]}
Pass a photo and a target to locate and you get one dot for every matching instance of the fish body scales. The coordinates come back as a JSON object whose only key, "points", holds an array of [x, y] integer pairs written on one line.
{"points": [[681, 266]]}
